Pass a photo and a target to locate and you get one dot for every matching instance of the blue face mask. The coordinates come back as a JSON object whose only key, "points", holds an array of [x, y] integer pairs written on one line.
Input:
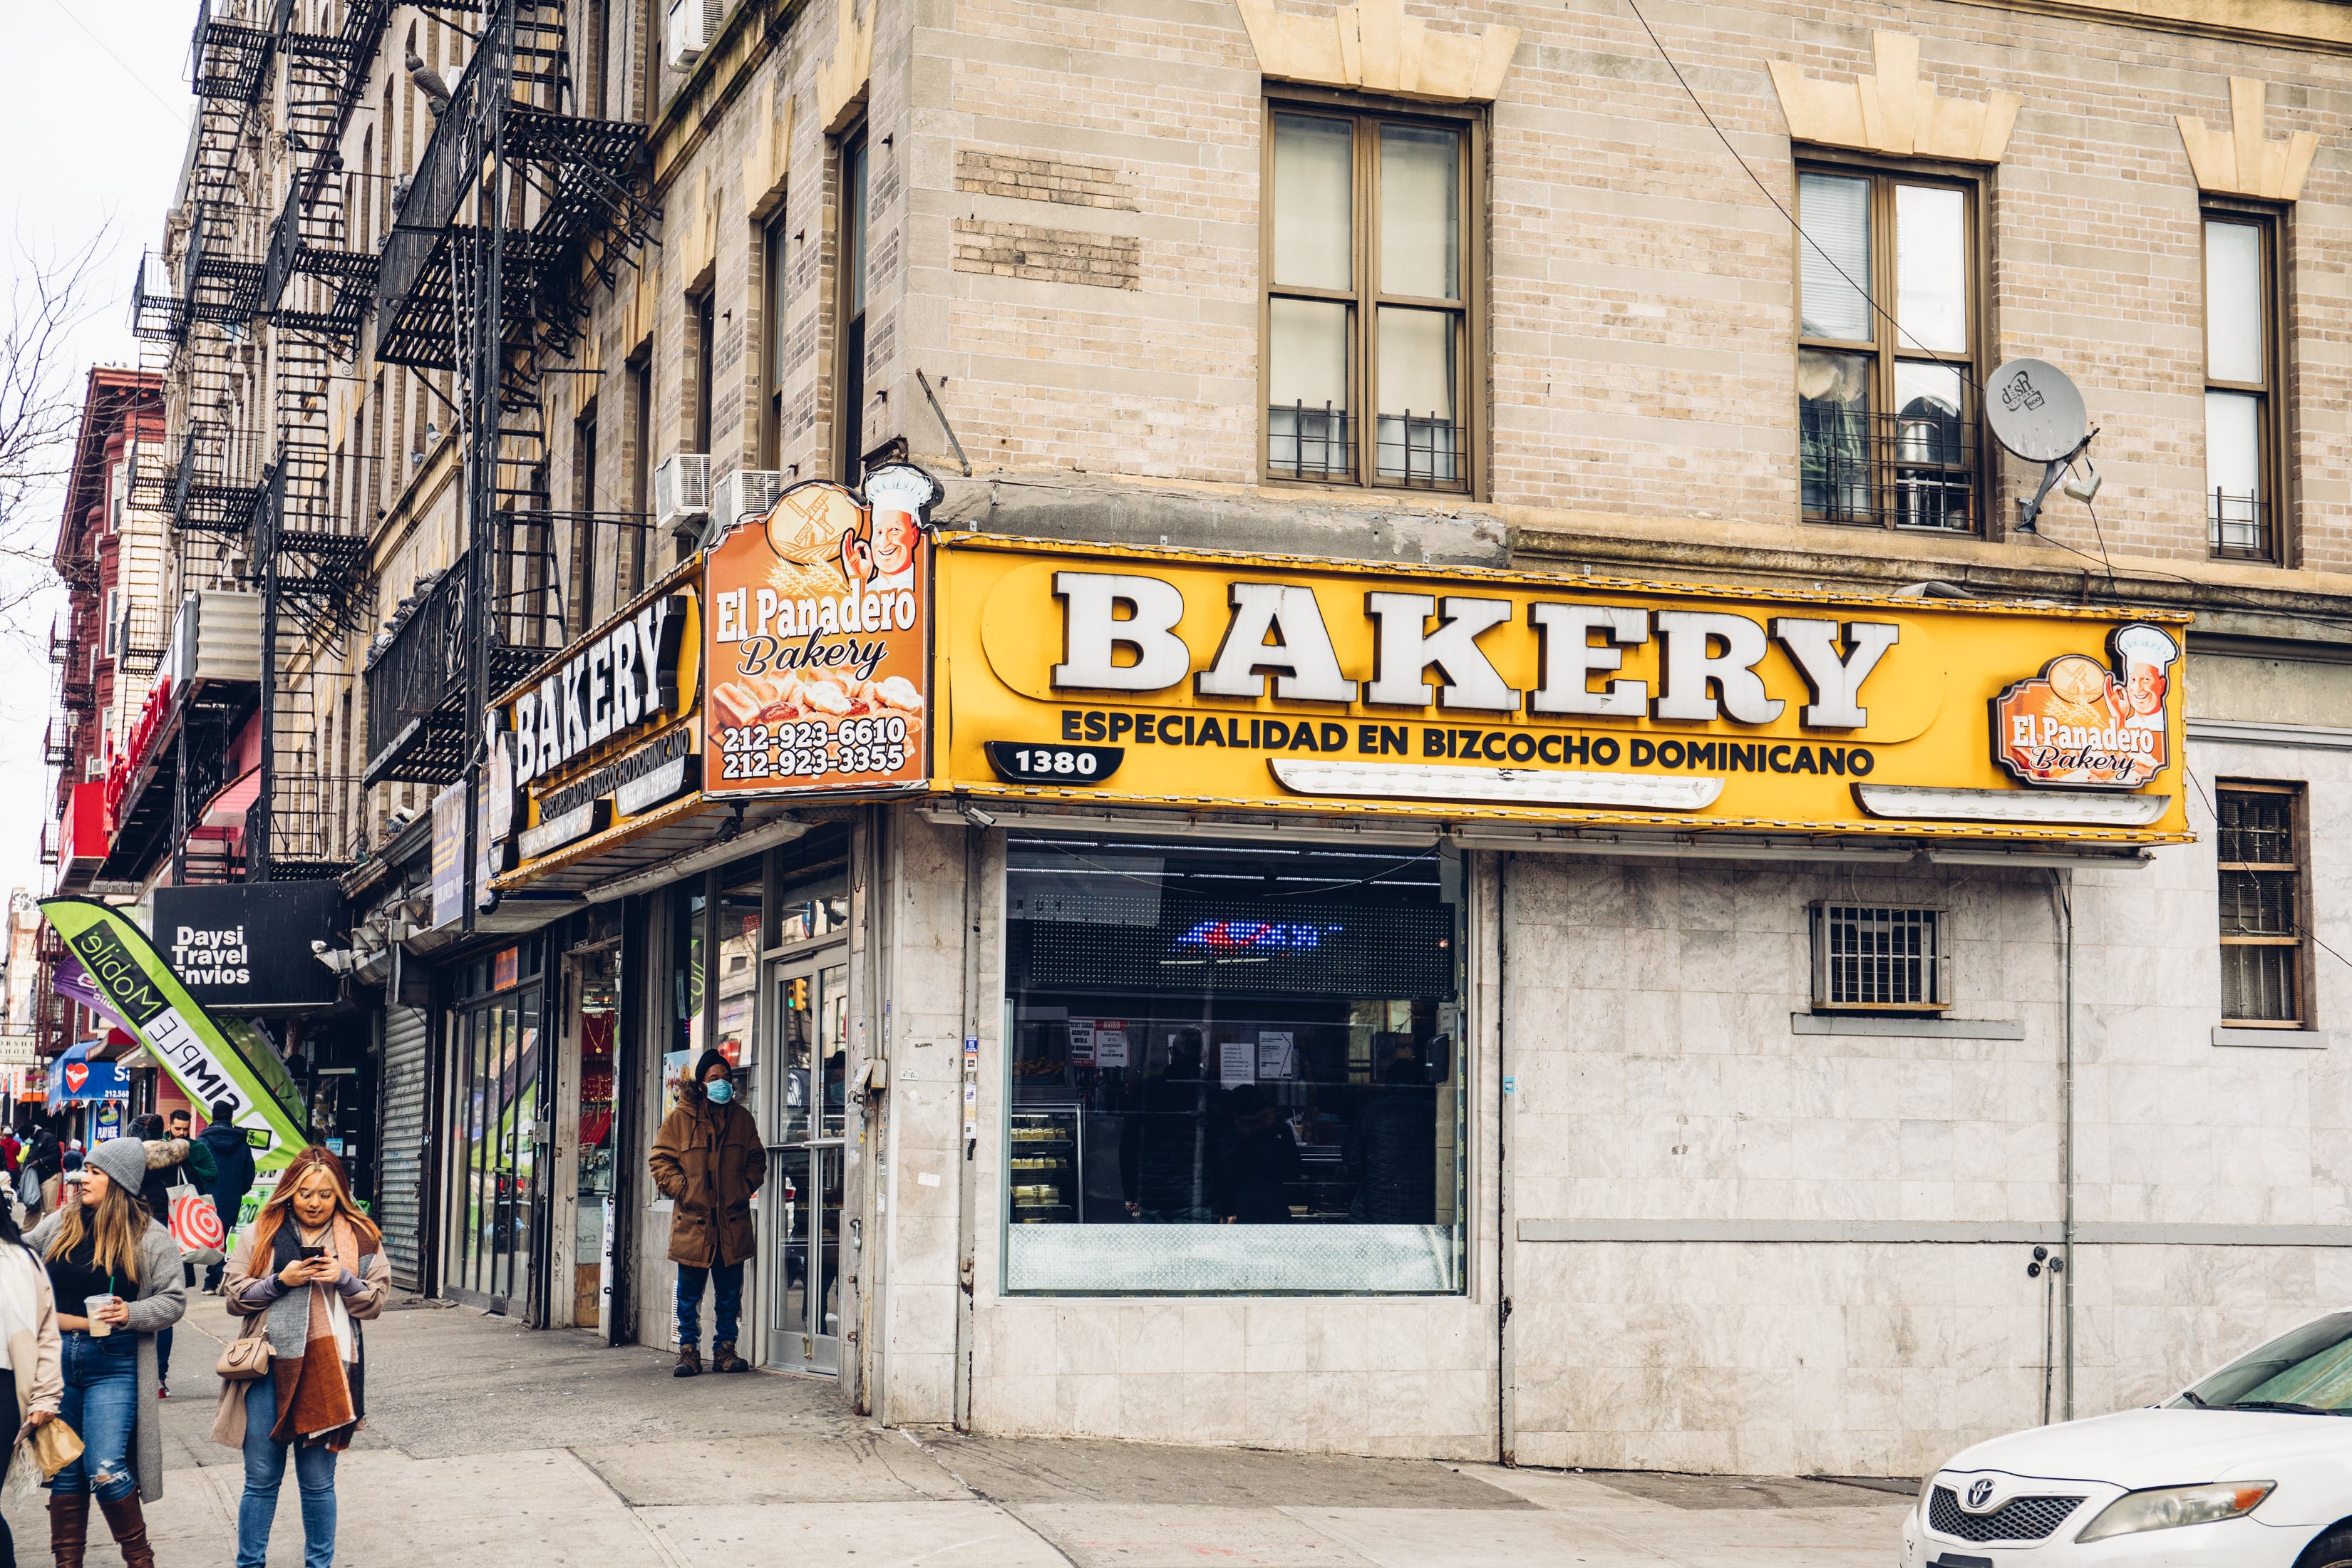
{"points": [[720, 1091]]}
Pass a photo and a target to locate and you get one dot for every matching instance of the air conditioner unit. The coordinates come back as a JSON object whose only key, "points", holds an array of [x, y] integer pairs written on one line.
{"points": [[692, 24], [682, 489], [746, 492]]}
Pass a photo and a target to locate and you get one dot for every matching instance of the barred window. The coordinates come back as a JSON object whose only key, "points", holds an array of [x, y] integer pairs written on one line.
{"points": [[1871, 958], [2261, 849]]}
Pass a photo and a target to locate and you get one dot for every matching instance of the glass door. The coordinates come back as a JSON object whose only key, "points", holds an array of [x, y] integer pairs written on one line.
{"points": [[495, 1120], [809, 1019], [597, 983]]}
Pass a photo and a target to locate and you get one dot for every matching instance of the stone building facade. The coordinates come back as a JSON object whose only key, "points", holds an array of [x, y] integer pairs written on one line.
{"points": [[1689, 328]]}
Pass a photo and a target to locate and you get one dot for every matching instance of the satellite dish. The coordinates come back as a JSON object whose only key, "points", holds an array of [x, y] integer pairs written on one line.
{"points": [[2035, 411]]}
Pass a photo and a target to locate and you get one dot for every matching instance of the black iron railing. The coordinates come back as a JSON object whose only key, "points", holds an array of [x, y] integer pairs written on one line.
{"points": [[1916, 469], [1422, 450], [2239, 527], [1306, 442]]}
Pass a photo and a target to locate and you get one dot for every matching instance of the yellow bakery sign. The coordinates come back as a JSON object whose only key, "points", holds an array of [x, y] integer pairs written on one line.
{"points": [[1072, 672]]}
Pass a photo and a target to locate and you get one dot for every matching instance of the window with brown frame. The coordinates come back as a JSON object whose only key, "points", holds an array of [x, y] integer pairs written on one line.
{"points": [[1369, 268], [1889, 284], [2259, 836], [2242, 474], [775, 241], [849, 254]]}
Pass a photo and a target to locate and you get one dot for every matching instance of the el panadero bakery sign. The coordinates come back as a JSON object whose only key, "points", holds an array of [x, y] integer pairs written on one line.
{"points": [[819, 642], [1201, 679]]}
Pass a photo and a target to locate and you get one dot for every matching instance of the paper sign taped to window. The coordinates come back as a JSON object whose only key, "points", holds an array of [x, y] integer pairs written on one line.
{"points": [[1277, 1053], [1110, 1044], [1237, 1062], [1082, 1041]]}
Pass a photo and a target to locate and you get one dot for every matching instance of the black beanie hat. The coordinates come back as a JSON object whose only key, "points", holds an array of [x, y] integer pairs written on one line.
{"points": [[702, 1064]]}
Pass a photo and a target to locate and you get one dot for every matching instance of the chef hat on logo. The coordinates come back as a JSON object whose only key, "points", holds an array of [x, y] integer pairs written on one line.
{"points": [[2146, 645]]}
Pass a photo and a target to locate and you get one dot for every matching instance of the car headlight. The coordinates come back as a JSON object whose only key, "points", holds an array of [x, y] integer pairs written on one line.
{"points": [[2166, 1507]]}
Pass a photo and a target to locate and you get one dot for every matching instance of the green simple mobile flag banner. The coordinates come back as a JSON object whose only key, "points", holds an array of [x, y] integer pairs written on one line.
{"points": [[125, 969]]}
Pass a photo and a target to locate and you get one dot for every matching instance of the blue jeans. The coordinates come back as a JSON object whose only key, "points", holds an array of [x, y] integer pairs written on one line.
{"points": [[723, 1312], [101, 1404], [264, 1469]]}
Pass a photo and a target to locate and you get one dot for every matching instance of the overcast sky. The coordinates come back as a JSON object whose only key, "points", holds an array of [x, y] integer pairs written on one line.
{"points": [[94, 108]]}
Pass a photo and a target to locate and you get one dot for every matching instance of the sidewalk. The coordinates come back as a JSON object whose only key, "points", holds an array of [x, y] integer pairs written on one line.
{"points": [[488, 1444]]}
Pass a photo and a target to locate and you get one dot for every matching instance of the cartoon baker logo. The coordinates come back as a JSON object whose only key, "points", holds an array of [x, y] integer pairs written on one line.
{"points": [[2081, 724]]}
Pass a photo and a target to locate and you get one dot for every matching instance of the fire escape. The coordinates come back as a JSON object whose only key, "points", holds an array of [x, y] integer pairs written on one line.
{"points": [[519, 210], [269, 297]]}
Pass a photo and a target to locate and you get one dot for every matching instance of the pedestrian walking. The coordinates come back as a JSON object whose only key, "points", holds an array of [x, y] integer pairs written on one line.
{"points": [[172, 1159], [117, 1274], [232, 1177], [708, 1160], [47, 1159], [310, 1273], [31, 1347]]}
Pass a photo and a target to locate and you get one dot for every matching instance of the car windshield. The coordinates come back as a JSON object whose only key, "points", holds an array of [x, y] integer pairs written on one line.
{"points": [[2309, 1368]]}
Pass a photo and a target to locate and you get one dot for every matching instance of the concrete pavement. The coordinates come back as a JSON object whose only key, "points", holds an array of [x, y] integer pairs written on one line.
{"points": [[489, 1445]]}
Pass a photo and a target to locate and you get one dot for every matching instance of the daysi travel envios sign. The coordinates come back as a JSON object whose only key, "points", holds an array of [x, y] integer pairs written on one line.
{"points": [[1203, 678], [132, 976], [819, 641]]}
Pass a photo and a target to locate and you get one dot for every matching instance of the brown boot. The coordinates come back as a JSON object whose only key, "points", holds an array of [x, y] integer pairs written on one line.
{"points": [[68, 1528], [689, 1361], [129, 1527], [724, 1359]]}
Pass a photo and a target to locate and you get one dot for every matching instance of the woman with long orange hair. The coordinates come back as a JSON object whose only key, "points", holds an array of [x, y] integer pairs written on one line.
{"points": [[310, 1272]]}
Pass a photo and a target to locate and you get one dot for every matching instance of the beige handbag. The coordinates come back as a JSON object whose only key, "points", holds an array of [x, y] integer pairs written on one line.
{"points": [[245, 1358]]}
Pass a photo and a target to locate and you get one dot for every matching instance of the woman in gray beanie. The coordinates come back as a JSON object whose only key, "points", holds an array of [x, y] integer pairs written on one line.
{"points": [[116, 1274]]}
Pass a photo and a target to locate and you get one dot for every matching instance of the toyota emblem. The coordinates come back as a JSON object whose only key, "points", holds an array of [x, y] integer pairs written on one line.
{"points": [[1980, 1493]]}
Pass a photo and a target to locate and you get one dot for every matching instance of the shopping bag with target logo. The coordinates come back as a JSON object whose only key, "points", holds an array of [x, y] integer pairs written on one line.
{"points": [[196, 1226]]}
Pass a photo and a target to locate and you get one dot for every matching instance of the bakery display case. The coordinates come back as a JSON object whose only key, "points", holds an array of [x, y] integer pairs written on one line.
{"points": [[1045, 1164]]}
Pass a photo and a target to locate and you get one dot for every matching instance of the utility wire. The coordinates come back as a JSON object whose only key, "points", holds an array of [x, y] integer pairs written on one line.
{"points": [[1868, 297], [180, 114]]}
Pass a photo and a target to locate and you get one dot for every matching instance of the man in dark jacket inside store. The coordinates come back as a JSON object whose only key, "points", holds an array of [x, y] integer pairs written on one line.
{"points": [[232, 1174], [708, 1160]]}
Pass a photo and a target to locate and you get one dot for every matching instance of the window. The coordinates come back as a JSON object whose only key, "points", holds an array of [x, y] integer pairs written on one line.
{"points": [[773, 239], [2241, 427], [1887, 412], [1871, 959], [2260, 842], [1368, 267], [704, 308], [1233, 1068], [586, 570], [849, 415], [641, 467]]}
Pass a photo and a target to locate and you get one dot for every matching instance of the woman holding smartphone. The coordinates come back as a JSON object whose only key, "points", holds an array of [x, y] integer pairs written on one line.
{"points": [[310, 1272], [116, 1275]]}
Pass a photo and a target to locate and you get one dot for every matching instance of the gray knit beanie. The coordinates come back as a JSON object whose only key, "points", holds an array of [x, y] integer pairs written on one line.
{"points": [[124, 1161]]}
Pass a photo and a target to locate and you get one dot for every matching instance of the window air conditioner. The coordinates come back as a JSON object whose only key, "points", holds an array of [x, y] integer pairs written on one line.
{"points": [[682, 489], [692, 24], [745, 492]]}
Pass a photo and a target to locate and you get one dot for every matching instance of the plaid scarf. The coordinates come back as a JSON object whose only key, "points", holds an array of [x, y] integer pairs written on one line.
{"points": [[316, 1359]]}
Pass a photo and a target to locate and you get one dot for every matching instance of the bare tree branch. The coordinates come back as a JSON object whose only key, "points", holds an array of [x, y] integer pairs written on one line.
{"points": [[40, 402]]}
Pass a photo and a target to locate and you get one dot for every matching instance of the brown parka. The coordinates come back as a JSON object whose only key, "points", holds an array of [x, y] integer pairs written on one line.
{"points": [[709, 1161]]}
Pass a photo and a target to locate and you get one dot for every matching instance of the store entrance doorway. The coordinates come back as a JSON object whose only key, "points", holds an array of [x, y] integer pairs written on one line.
{"points": [[581, 1293], [808, 995]]}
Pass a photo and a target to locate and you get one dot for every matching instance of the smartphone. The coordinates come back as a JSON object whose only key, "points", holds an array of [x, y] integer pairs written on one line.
{"points": [[309, 1252]]}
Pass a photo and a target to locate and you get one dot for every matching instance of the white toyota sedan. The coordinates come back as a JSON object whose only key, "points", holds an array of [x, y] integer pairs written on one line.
{"points": [[2250, 1468]]}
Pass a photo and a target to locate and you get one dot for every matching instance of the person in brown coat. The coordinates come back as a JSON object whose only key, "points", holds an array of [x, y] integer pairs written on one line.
{"points": [[708, 1160]]}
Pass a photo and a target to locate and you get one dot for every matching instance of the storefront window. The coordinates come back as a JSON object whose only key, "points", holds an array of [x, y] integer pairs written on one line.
{"points": [[1235, 1067], [688, 1031], [737, 975], [495, 1035]]}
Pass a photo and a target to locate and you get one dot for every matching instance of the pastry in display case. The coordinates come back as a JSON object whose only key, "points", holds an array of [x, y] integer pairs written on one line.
{"points": [[1043, 1165]]}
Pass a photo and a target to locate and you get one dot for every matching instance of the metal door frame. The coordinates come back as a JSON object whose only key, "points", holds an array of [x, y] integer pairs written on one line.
{"points": [[778, 965]]}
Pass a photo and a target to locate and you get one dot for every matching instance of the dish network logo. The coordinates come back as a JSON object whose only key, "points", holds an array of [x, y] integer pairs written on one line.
{"points": [[1256, 936]]}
